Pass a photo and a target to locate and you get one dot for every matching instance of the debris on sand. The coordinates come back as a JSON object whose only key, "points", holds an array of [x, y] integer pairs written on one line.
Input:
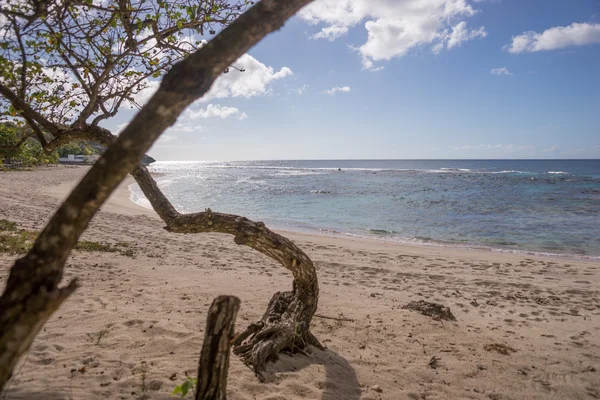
{"points": [[433, 310], [434, 362], [500, 348], [377, 388]]}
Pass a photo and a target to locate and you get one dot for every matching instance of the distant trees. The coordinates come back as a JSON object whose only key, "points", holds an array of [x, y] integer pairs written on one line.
{"points": [[18, 149], [25, 151], [76, 148], [66, 66]]}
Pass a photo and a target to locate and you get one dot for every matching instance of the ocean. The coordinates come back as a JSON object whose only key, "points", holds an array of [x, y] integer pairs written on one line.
{"points": [[532, 206]]}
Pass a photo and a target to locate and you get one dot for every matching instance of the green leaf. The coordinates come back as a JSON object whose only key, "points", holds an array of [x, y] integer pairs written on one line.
{"points": [[177, 390], [187, 385]]}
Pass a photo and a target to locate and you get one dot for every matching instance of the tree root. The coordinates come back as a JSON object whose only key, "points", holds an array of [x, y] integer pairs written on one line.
{"points": [[283, 328]]}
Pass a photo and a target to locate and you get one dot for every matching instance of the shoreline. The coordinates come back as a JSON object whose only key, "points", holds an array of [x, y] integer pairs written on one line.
{"points": [[320, 232], [135, 326]]}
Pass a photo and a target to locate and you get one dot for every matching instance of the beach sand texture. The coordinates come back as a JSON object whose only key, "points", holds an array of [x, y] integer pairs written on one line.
{"points": [[528, 327]]}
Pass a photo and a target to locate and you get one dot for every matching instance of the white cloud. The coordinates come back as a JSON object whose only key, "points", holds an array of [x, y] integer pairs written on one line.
{"points": [[331, 32], [550, 149], [301, 90], [121, 127], [254, 81], [185, 127], [142, 97], [213, 111], [558, 37], [460, 33], [343, 89], [501, 148], [164, 138], [394, 27], [500, 71]]}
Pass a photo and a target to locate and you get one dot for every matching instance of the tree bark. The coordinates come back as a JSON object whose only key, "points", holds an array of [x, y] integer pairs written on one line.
{"points": [[32, 291], [286, 323], [214, 359]]}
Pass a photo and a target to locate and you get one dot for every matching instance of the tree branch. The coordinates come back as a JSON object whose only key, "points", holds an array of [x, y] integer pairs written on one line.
{"points": [[25, 109], [214, 359], [34, 279]]}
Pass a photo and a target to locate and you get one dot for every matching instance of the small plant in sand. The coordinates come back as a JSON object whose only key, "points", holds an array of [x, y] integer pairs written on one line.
{"points": [[18, 241], [6, 225], [188, 385], [13, 241]]}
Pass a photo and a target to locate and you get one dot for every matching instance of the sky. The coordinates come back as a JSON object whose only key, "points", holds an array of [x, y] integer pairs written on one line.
{"points": [[405, 79]]}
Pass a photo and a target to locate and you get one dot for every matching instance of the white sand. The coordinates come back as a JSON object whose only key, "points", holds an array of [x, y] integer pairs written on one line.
{"points": [[136, 322]]}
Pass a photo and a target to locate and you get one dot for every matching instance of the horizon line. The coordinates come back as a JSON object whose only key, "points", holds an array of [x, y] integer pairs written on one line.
{"points": [[393, 159]]}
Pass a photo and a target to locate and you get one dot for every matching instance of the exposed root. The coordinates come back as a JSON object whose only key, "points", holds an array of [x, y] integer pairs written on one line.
{"points": [[283, 328]]}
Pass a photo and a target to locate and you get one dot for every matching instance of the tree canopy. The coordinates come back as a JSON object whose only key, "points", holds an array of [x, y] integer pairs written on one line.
{"points": [[147, 44], [66, 66]]}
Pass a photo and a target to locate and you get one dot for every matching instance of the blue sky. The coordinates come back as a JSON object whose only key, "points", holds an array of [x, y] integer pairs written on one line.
{"points": [[414, 78]]}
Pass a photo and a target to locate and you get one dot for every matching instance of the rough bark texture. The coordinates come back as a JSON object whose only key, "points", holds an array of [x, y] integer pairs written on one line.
{"points": [[214, 359], [32, 291], [286, 323]]}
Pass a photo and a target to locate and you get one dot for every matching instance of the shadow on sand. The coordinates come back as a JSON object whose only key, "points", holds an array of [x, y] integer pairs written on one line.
{"points": [[340, 381]]}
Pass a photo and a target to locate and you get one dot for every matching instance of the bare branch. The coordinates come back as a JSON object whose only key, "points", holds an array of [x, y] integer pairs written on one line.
{"points": [[214, 359]]}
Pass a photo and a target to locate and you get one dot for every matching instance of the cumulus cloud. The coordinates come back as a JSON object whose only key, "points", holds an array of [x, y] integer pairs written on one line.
{"points": [[558, 37], [460, 33], [343, 89], [215, 111], [253, 81], [142, 97], [331, 32], [500, 71], [394, 27]]}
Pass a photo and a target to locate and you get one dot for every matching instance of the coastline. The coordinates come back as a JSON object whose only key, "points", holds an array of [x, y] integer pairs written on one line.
{"points": [[332, 233], [135, 322]]}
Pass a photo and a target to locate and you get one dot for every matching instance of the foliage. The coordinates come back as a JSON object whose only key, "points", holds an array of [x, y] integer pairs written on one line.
{"points": [[84, 245], [16, 146], [16, 242], [76, 148], [68, 65], [185, 387], [6, 225], [19, 241]]}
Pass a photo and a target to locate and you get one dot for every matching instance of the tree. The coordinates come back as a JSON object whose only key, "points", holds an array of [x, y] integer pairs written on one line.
{"points": [[16, 146], [45, 103], [76, 148]]}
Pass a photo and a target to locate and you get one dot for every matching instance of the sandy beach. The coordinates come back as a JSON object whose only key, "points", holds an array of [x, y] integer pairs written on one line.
{"points": [[528, 327]]}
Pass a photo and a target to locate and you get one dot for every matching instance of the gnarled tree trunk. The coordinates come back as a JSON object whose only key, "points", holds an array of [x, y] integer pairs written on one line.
{"points": [[286, 323], [32, 292]]}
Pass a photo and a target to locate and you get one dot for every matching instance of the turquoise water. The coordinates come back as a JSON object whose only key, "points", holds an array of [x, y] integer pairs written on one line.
{"points": [[545, 206]]}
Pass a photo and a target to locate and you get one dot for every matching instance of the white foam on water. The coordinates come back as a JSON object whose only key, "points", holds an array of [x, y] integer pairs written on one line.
{"points": [[138, 199]]}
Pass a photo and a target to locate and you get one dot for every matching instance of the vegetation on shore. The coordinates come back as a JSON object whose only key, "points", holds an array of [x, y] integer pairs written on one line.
{"points": [[14, 240], [19, 150]]}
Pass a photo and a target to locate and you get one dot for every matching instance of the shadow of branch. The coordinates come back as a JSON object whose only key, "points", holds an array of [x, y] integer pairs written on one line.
{"points": [[340, 382]]}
